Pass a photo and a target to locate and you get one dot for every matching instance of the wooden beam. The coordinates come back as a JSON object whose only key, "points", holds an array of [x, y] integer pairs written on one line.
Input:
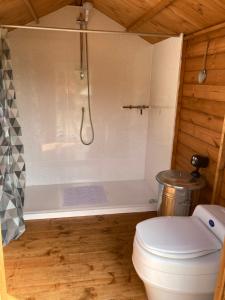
{"points": [[220, 286], [219, 168], [204, 31], [150, 14], [31, 10]]}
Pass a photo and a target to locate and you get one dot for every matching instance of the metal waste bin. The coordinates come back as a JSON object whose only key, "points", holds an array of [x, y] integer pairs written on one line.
{"points": [[177, 191]]}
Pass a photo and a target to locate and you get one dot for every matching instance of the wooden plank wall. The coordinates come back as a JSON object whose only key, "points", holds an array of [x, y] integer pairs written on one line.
{"points": [[201, 108]]}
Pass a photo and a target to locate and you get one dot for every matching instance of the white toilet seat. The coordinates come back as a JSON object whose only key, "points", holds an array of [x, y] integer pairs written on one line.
{"points": [[184, 237], [206, 264]]}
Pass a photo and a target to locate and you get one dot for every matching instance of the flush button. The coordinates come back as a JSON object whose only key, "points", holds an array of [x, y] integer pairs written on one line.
{"points": [[211, 223]]}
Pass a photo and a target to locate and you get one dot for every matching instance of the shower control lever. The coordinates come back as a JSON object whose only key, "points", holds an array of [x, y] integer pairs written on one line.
{"points": [[140, 107]]}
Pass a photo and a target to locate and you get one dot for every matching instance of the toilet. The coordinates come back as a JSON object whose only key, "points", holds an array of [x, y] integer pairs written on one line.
{"points": [[178, 258]]}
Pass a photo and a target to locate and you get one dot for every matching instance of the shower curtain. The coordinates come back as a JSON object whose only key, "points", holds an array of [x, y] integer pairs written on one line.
{"points": [[12, 166]]}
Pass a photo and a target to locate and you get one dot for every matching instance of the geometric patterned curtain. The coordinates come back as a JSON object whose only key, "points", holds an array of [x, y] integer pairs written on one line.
{"points": [[12, 166]]}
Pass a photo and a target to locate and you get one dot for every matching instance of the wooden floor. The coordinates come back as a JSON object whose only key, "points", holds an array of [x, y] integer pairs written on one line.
{"points": [[75, 258]]}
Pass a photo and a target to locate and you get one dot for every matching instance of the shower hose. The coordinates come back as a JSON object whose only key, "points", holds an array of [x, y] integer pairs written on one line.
{"points": [[89, 97]]}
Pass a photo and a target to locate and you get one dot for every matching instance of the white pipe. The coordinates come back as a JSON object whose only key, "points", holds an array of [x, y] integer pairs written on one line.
{"points": [[150, 34]]}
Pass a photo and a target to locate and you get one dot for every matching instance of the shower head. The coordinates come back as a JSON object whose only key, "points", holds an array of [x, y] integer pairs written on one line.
{"points": [[87, 7]]}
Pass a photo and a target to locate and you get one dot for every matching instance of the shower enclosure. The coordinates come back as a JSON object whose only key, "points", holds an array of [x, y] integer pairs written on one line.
{"points": [[111, 175]]}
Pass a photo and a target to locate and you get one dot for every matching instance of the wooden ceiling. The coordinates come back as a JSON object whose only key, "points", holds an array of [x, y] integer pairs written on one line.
{"points": [[163, 16]]}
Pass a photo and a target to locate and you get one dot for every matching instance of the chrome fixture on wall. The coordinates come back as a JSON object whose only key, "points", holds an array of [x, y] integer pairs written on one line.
{"points": [[203, 72], [84, 65], [140, 107]]}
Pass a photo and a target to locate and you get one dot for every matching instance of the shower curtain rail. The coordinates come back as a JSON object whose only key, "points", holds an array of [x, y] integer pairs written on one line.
{"points": [[148, 34]]}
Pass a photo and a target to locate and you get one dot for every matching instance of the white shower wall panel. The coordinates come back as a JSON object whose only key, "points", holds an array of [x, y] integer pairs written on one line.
{"points": [[50, 95], [165, 76]]}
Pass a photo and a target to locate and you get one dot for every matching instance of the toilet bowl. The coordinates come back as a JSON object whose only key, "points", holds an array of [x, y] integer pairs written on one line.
{"points": [[178, 257]]}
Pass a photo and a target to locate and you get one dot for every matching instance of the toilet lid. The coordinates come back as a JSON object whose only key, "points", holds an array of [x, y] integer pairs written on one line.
{"points": [[177, 237]]}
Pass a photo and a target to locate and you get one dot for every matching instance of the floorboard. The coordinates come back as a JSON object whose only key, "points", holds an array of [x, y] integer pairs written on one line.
{"points": [[83, 258]]}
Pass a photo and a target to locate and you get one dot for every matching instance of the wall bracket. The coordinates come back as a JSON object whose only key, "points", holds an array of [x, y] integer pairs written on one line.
{"points": [[140, 107]]}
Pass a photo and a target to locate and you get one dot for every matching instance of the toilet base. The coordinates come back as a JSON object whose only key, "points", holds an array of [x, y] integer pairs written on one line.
{"points": [[155, 293]]}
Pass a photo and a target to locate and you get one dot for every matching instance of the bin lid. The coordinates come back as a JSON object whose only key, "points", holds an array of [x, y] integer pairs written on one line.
{"points": [[180, 180]]}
